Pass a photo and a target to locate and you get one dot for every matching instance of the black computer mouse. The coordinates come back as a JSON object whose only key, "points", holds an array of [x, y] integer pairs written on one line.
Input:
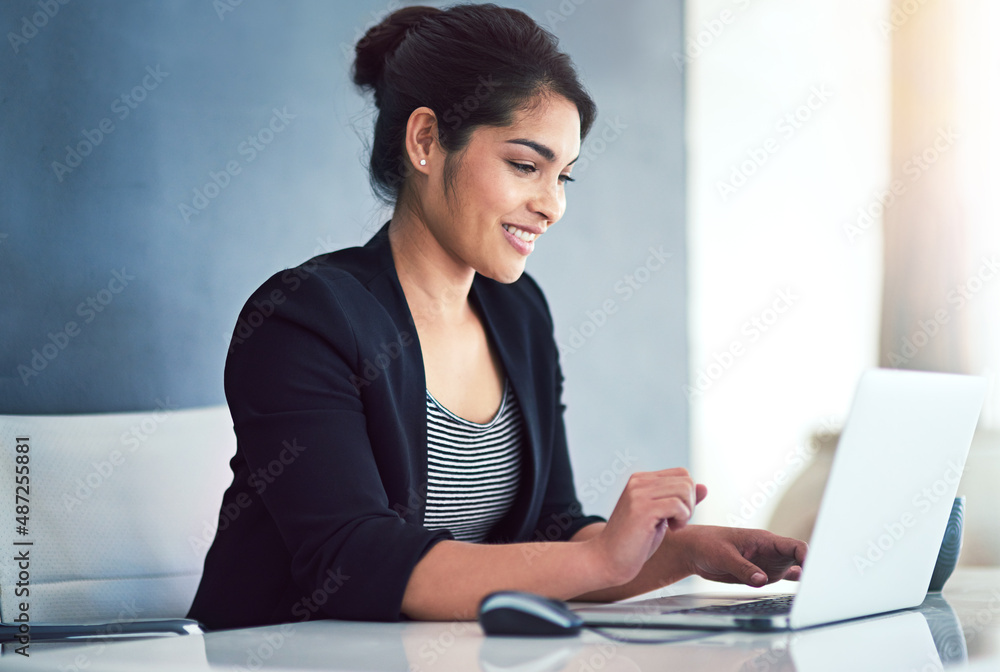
{"points": [[511, 612]]}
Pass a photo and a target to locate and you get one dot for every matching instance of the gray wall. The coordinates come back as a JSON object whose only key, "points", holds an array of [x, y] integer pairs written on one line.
{"points": [[154, 293]]}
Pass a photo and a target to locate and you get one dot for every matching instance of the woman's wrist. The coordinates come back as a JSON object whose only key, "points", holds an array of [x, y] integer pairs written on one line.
{"points": [[596, 558], [673, 559], [670, 563], [597, 563]]}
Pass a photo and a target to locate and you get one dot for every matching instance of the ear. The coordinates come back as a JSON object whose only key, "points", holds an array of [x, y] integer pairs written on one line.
{"points": [[422, 140]]}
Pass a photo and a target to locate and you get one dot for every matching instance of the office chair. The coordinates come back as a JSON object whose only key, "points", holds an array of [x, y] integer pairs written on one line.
{"points": [[106, 519]]}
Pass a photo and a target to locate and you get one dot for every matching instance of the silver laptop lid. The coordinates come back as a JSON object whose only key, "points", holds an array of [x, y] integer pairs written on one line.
{"points": [[890, 491]]}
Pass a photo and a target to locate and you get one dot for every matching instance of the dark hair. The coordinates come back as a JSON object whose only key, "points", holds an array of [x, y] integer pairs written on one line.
{"points": [[474, 65]]}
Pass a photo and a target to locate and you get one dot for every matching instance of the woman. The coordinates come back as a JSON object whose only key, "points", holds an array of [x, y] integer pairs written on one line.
{"points": [[401, 448]]}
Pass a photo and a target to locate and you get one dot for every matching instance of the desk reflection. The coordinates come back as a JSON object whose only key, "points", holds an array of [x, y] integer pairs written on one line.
{"points": [[946, 629], [900, 641], [929, 638]]}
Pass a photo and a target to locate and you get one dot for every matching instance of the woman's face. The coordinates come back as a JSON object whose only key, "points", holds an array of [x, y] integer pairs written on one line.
{"points": [[509, 183]]}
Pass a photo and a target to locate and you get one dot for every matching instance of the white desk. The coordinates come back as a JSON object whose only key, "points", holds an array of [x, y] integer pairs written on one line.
{"points": [[948, 632]]}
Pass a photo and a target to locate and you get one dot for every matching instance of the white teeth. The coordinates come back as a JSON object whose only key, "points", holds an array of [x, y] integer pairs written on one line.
{"points": [[520, 233]]}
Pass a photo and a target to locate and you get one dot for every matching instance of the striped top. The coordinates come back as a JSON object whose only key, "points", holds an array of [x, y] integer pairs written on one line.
{"points": [[473, 469]]}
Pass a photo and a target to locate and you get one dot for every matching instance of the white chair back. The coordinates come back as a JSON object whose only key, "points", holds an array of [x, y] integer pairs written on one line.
{"points": [[119, 508]]}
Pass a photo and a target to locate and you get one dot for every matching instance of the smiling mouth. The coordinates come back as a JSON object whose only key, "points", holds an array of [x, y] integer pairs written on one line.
{"points": [[521, 234]]}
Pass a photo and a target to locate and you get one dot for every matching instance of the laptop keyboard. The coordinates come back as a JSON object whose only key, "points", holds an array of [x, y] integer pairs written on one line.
{"points": [[769, 606]]}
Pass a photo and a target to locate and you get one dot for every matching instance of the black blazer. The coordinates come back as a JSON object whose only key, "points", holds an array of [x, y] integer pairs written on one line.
{"points": [[325, 382]]}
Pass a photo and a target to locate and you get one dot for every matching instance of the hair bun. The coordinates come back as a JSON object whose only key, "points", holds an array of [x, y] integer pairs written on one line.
{"points": [[381, 41]]}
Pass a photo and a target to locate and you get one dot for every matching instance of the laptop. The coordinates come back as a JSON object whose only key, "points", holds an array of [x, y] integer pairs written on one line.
{"points": [[882, 519]]}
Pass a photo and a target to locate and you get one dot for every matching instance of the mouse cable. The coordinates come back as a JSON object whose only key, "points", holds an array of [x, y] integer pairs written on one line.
{"points": [[701, 634]]}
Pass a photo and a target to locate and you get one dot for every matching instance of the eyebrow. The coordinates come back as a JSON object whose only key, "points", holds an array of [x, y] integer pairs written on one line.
{"points": [[546, 153]]}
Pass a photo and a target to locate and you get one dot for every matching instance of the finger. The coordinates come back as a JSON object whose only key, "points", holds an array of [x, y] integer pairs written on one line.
{"points": [[747, 572], [667, 490], [652, 489], [674, 490], [791, 548], [794, 573], [672, 486], [657, 486], [675, 512], [675, 471], [677, 508], [700, 493]]}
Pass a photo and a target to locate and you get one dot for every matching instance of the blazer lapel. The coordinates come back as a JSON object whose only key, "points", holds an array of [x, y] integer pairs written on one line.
{"points": [[410, 385], [505, 330]]}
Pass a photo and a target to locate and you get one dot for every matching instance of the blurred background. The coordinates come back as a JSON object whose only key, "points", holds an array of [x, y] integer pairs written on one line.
{"points": [[775, 197], [840, 163], [163, 158]]}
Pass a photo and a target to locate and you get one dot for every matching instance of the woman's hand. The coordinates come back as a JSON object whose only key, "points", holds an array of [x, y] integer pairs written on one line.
{"points": [[652, 503], [738, 555]]}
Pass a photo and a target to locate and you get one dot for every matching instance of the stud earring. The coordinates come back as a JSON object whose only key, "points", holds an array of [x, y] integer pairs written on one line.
{"points": [[423, 162]]}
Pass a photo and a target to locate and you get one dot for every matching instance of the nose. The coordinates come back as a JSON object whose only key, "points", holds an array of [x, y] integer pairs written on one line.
{"points": [[549, 203]]}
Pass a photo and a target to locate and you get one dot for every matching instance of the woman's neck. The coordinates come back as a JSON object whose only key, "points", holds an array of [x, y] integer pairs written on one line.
{"points": [[435, 283]]}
